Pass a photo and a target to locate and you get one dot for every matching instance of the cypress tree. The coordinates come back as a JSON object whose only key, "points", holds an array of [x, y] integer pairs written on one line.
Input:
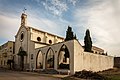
{"points": [[87, 42], [69, 34]]}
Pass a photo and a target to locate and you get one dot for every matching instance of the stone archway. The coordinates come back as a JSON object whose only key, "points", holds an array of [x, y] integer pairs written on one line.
{"points": [[63, 61], [49, 61], [39, 60], [22, 54]]}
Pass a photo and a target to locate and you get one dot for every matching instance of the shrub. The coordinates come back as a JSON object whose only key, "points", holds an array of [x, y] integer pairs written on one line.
{"points": [[89, 75]]}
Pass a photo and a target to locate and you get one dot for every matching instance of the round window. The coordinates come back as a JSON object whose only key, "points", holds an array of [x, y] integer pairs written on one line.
{"points": [[22, 36], [50, 41], [38, 39]]}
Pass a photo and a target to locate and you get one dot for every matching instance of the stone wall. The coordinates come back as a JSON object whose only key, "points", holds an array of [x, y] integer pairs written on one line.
{"points": [[117, 62], [90, 61], [79, 60]]}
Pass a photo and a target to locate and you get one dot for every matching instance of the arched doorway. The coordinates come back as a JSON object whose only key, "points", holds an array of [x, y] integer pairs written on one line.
{"points": [[22, 55], [39, 60], [50, 59], [64, 58]]}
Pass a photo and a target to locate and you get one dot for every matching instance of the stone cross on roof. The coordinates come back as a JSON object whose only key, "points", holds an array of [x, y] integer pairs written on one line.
{"points": [[24, 10]]}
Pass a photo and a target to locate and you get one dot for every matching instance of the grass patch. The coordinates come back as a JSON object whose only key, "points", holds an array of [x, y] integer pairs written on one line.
{"points": [[114, 77], [112, 74]]}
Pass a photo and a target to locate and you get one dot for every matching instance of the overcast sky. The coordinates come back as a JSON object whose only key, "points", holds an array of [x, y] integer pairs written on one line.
{"points": [[101, 17]]}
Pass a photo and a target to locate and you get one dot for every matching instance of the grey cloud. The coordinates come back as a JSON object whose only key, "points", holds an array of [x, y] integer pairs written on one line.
{"points": [[57, 7], [103, 23]]}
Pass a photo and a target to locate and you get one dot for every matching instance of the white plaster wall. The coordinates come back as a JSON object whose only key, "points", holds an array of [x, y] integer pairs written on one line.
{"points": [[37, 45], [59, 40], [36, 34], [32, 50], [45, 37], [90, 61], [56, 48], [70, 46], [78, 56], [50, 37], [31, 47], [79, 60]]}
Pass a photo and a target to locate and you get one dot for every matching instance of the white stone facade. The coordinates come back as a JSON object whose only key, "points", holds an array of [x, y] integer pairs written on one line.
{"points": [[27, 38]]}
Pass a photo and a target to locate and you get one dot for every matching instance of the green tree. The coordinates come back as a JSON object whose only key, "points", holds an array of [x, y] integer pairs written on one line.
{"points": [[22, 53], [87, 42], [69, 34]]}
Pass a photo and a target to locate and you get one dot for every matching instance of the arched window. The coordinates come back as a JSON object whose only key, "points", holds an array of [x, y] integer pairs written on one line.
{"points": [[63, 58], [39, 60], [21, 36], [50, 58]]}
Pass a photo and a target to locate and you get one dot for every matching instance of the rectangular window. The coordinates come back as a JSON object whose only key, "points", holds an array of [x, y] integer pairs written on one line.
{"points": [[31, 56]]}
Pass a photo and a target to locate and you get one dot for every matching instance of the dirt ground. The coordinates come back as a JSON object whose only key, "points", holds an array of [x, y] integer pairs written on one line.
{"points": [[15, 75]]}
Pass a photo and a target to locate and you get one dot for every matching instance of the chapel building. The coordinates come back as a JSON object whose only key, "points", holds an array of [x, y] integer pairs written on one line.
{"points": [[29, 38]]}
